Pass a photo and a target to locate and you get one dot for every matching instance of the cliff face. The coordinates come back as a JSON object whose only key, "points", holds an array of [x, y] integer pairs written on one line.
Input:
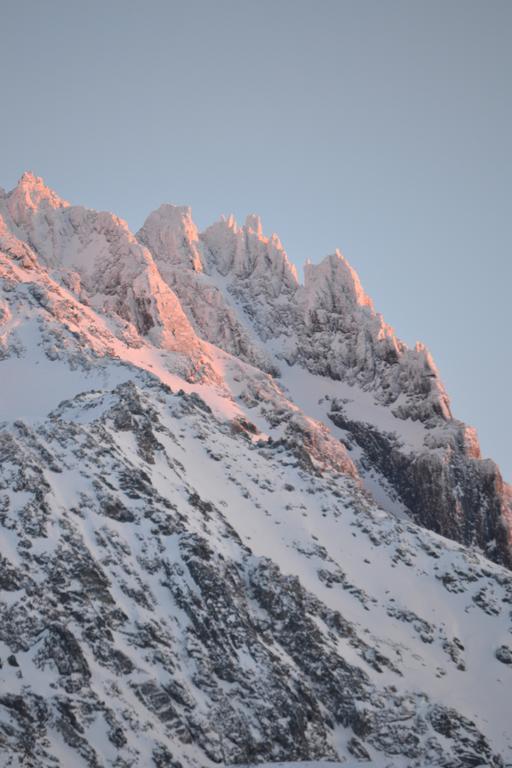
{"points": [[221, 494]]}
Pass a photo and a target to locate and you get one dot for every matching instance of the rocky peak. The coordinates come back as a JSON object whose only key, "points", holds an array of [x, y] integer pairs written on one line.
{"points": [[334, 285], [172, 236], [355, 344], [188, 266], [246, 254], [94, 254], [253, 224], [30, 195]]}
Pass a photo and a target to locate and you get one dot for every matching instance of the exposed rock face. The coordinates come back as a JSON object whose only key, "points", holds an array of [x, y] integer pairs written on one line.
{"points": [[192, 269], [192, 569], [343, 330], [96, 256], [449, 490]]}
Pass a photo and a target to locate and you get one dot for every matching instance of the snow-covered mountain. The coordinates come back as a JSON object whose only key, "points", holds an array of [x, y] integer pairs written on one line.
{"points": [[239, 522]]}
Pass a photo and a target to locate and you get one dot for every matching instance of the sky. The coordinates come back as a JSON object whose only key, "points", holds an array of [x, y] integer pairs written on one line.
{"points": [[382, 127]]}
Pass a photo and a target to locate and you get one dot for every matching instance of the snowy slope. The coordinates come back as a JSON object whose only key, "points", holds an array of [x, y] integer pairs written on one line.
{"points": [[193, 571]]}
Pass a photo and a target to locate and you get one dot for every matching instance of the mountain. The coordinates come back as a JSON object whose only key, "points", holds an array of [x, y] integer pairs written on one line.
{"points": [[389, 407], [239, 522]]}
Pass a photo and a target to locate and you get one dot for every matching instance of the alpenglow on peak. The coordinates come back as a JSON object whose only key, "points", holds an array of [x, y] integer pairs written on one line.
{"points": [[222, 493]]}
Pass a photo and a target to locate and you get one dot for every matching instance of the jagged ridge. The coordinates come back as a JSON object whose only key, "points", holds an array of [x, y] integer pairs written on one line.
{"points": [[193, 570]]}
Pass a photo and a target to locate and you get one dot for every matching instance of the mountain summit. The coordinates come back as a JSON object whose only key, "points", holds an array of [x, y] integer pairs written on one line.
{"points": [[240, 523]]}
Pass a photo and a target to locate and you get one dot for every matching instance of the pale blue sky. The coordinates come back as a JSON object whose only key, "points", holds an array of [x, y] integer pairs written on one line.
{"points": [[383, 127]]}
